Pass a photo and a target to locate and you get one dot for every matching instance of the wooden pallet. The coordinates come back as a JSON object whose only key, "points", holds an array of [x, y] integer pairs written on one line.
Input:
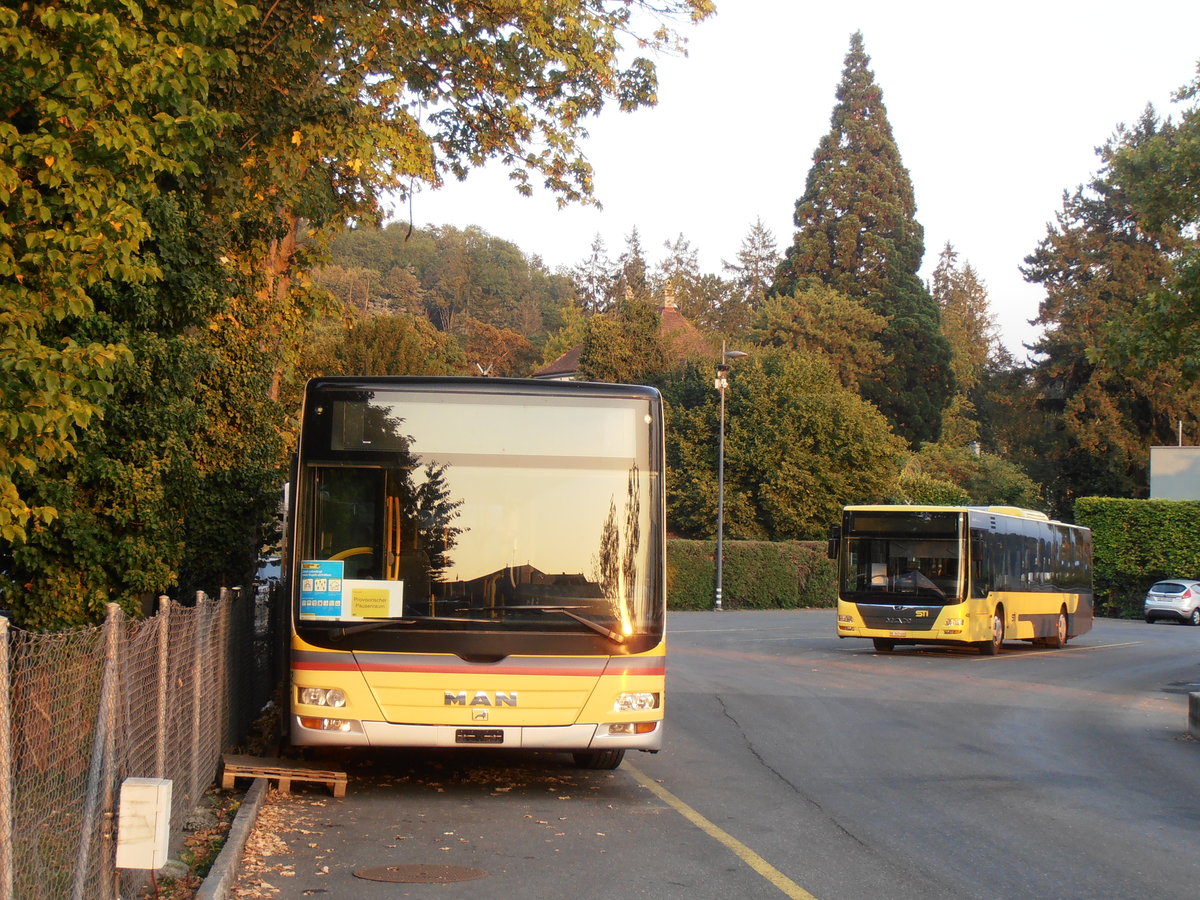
{"points": [[284, 771]]}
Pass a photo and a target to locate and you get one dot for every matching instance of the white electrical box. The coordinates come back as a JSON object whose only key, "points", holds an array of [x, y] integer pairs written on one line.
{"points": [[144, 823]]}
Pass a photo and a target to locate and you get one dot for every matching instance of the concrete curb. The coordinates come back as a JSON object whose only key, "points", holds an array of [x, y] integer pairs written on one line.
{"points": [[224, 872], [1194, 715]]}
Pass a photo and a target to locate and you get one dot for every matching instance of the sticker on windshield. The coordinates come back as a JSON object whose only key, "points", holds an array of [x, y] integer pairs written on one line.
{"points": [[321, 587]]}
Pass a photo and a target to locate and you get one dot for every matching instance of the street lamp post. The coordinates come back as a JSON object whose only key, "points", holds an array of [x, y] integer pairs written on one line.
{"points": [[720, 384]]}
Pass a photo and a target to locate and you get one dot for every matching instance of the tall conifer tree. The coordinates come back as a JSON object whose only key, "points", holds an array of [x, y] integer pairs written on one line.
{"points": [[755, 267], [974, 338], [857, 232]]}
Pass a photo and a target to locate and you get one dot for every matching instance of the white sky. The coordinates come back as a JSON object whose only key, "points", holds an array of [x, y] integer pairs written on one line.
{"points": [[996, 108]]}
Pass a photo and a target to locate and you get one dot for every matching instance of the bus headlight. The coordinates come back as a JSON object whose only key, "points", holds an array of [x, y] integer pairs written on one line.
{"points": [[635, 701], [845, 619], [954, 623], [311, 696]]}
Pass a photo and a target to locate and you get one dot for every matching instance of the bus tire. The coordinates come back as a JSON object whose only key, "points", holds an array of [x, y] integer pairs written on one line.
{"points": [[598, 759], [1058, 640], [883, 645], [992, 647]]}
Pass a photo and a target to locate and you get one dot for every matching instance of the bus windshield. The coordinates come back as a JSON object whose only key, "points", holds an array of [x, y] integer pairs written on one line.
{"points": [[910, 557], [474, 510]]}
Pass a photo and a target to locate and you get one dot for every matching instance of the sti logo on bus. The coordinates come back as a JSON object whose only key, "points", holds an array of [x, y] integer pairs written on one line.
{"points": [[482, 698]]}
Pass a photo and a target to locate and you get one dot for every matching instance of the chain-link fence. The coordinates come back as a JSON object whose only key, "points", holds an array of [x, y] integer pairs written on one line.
{"points": [[82, 710]]}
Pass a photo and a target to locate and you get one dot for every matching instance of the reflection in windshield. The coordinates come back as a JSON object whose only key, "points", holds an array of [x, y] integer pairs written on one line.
{"points": [[618, 560], [436, 509]]}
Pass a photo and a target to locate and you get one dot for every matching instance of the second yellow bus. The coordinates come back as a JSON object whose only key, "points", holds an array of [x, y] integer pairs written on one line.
{"points": [[961, 575]]}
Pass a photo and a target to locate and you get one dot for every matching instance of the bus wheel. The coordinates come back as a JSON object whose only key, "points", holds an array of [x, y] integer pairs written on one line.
{"points": [[1058, 640], [992, 647], [883, 645], [598, 759]]}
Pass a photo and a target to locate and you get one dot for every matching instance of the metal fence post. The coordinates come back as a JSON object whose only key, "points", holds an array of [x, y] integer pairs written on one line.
{"points": [[199, 644], [220, 670], [101, 744], [163, 667], [6, 767]]}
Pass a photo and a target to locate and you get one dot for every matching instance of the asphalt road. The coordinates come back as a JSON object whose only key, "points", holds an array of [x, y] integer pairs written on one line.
{"points": [[798, 765]]}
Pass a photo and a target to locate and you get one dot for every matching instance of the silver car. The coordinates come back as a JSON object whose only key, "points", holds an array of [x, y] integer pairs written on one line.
{"points": [[1177, 599]]}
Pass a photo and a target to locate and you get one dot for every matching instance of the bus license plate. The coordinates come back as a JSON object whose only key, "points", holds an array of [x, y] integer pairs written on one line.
{"points": [[897, 634], [479, 736]]}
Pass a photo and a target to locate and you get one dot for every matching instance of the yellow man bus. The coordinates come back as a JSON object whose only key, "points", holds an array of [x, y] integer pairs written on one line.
{"points": [[961, 575], [478, 563]]}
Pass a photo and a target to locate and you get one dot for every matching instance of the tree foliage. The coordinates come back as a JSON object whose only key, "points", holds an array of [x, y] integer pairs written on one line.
{"points": [[971, 331], [968, 323], [239, 122], [857, 232], [384, 345], [984, 479], [751, 275], [1098, 266], [818, 320], [917, 487], [448, 275], [1161, 174], [625, 346], [756, 263], [99, 102], [594, 279], [798, 447], [498, 352]]}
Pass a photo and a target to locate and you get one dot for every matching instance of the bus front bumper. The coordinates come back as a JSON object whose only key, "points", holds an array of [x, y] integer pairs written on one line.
{"points": [[387, 734]]}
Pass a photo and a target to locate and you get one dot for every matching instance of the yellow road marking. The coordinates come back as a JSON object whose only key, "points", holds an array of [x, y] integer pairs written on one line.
{"points": [[785, 885]]}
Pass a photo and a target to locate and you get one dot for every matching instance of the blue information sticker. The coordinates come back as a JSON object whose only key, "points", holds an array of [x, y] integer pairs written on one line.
{"points": [[321, 587]]}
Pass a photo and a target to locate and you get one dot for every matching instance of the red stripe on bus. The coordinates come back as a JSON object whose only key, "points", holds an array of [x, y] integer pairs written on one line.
{"points": [[325, 667], [467, 670]]}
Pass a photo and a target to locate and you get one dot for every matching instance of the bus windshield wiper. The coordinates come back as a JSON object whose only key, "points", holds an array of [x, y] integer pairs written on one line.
{"points": [[566, 611]]}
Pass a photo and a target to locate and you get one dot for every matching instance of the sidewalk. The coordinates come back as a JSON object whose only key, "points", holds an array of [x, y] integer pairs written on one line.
{"points": [[224, 872]]}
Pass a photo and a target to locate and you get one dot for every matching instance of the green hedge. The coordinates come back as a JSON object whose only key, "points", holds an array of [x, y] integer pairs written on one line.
{"points": [[757, 575], [1138, 542]]}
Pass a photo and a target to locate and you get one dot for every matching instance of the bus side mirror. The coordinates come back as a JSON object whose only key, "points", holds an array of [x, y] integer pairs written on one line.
{"points": [[835, 538]]}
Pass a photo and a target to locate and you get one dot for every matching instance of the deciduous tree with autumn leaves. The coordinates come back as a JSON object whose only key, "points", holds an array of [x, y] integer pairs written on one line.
{"points": [[159, 167]]}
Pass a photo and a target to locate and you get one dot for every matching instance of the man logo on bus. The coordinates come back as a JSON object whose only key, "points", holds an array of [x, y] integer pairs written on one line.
{"points": [[481, 698]]}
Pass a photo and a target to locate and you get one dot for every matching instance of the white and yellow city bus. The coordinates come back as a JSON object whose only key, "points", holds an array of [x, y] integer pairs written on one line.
{"points": [[961, 575], [478, 562]]}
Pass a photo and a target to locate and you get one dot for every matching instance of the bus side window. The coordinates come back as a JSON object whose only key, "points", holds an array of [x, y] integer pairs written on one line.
{"points": [[1012, 562], [981, 565]]}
